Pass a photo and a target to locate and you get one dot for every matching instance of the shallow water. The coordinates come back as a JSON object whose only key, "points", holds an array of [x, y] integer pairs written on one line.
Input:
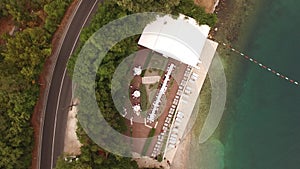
{"points": [[261, 127]]}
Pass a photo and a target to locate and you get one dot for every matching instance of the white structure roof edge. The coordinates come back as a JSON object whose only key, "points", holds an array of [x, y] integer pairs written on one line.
{"points": [[182, 39]]}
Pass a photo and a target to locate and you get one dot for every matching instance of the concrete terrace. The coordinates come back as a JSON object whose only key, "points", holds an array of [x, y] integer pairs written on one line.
{"points": [[189, 97]]}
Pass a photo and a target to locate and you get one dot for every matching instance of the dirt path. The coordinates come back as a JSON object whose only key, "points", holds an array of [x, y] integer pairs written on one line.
{"points": [[72, 144], [209, 5]]}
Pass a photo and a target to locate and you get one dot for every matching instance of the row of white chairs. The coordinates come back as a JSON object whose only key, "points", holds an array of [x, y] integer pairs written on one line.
{"points": [[161, 137], [175, 130]]}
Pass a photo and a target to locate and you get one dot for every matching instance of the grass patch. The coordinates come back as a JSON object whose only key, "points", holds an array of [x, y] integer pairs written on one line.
{"points": [[159, 72], [148, 141], [144, 98], [171, 83], [153, 86]]}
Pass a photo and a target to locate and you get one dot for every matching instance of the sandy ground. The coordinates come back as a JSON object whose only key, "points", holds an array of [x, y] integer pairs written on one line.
{"points": [[147, 162], [181, 157], [72, 144]]}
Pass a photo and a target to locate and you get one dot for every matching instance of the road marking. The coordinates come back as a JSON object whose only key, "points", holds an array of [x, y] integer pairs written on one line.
{"points": [[76, 40], [48, 88], [55, 119]]}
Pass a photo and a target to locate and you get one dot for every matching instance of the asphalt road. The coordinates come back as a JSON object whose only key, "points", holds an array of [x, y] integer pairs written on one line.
{"points": [[60, 92]]}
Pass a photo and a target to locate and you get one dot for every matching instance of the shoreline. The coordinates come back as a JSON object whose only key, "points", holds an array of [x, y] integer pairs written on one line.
{"points": [[181, 159], [230, 28]]}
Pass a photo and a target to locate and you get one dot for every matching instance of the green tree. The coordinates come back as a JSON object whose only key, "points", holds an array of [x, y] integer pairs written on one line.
{"points": [[21, 59], [55, 11], [17, 10], [165, 6], [187, 7], [27, 50]]}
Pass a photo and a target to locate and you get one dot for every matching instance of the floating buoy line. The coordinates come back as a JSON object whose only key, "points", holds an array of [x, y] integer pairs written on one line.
{"points": [[273, 71]]}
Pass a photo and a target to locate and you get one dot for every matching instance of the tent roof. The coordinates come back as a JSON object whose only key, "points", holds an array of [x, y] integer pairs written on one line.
{"points": [[182, 38]]}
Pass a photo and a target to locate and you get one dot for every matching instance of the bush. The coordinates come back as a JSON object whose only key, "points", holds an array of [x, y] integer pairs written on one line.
{"points": [[55, 11], [21, 61], [144, 98], [159, 158]]}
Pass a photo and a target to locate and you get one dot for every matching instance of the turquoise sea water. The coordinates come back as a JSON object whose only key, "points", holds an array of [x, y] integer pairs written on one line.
{"points": [[261, 125]]}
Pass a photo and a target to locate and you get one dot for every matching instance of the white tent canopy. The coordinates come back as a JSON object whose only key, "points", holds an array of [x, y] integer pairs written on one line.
{"points": [[182, 38], [136, 94], [136, 108], [137, 71]]}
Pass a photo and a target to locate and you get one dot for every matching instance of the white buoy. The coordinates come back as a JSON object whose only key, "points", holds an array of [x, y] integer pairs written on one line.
{"points": [[260, 64]]}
